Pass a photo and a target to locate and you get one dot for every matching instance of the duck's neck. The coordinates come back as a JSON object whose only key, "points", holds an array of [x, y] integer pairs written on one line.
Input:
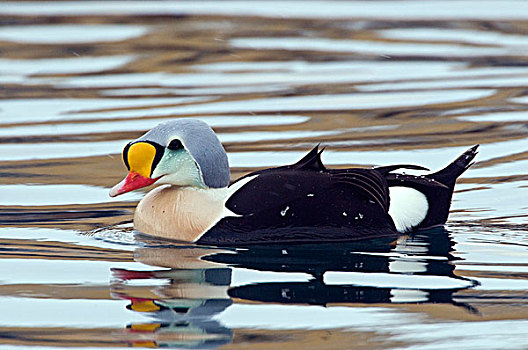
{"points": [[180, 213]]}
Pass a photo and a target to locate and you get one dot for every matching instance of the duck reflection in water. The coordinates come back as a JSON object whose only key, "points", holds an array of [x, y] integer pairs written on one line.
{"points": [[181, 300], [186, 299]]}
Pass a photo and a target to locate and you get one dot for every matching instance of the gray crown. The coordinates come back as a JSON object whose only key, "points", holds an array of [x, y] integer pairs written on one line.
{"points": [[202, 144]]}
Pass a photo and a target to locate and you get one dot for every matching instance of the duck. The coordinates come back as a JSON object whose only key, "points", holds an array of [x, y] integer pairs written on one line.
{"points": [[304, 202]]}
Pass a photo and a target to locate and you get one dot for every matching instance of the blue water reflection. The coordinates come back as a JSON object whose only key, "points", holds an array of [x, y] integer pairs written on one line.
{"points": [[189, 288]]}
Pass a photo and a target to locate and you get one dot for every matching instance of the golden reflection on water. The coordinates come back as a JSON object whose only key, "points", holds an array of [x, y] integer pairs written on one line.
{"points": [[373, 90]]}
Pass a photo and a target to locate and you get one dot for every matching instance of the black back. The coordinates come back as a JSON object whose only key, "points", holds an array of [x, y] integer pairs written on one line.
{"points": [[305, 202]]}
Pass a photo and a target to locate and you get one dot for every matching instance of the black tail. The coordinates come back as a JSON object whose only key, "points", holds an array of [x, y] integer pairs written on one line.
{"points": [[438, 192], [450, 173]]}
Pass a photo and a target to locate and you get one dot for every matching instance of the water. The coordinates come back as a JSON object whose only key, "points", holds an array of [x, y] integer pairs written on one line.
{"points": [[376, 82]]}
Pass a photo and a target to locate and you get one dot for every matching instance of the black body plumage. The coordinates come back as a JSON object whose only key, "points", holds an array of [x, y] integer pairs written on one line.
{"points": [[306, 202]]}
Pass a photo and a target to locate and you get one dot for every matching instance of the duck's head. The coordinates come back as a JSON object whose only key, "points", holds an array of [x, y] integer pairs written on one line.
{"points": [[183, 152]]}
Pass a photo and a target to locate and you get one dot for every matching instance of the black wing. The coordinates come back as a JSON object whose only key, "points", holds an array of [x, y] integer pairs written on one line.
{"points": [[305, 202]]}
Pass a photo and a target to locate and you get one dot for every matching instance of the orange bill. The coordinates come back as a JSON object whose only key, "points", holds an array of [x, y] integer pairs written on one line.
{"points": [[133, 181]]}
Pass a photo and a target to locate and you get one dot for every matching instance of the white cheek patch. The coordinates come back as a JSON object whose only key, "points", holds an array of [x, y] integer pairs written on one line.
{"points": [[408, 207], [178, 168]]}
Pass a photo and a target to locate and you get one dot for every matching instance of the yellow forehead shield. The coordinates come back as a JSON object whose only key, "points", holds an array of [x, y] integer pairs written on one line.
{"points": [[140, 157]]}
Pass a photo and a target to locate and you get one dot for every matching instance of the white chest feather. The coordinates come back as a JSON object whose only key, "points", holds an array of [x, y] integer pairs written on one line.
{"points": [[180, 213], [183, 213], [408, 207]]}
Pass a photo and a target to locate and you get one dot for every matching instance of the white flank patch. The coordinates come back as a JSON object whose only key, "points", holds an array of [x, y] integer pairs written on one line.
{"points": [[408, 207]]}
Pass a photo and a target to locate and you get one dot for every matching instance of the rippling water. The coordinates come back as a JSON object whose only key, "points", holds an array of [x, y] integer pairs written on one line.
{"points": [[376, 82]]}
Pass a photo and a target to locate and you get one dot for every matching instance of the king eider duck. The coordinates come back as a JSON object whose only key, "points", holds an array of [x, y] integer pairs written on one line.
{"points": [[302, 202]]}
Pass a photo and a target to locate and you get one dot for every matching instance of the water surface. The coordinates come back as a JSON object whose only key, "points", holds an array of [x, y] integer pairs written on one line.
{"points": [[375, 82]]}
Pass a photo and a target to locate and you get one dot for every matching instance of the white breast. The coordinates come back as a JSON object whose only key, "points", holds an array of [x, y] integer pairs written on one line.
{"points": [[408, 207], [181, 213], [184, 213]]}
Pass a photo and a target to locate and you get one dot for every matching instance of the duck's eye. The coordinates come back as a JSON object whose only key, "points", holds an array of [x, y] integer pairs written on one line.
{"points": [[175, 145]]}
